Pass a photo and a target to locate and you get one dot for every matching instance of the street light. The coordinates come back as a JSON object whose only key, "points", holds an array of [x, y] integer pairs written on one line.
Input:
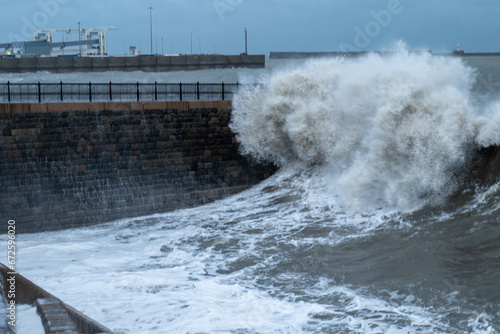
{"points": [[151, 26], [79, 39]]}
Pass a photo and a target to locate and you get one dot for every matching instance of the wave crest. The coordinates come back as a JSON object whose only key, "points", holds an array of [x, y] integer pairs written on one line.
{"points": [[394, 131]]}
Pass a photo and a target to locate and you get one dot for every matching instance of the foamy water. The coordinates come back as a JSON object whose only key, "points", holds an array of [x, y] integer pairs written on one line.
{"points": [[282, 257], [332, 243]]}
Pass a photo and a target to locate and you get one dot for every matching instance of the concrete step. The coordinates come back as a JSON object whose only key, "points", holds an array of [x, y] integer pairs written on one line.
{"points": [[55, 318]]}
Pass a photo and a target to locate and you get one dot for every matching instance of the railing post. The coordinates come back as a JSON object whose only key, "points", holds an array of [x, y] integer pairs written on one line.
{"points": [[198, 90], [90, 91], [180, 91], [138, 93], [156, 91], [8, 90], [61, 90], [110, 91], [39, 92], [223, 91]]}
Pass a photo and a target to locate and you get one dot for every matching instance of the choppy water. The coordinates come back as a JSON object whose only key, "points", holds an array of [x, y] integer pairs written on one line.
{"points": [[376, 222]]}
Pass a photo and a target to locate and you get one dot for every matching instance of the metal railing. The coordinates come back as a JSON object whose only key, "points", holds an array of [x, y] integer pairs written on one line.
{"points": [[102, 92]]}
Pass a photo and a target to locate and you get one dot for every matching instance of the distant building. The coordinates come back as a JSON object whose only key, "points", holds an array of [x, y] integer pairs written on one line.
{"points": [[90, 42], [134, 51]]}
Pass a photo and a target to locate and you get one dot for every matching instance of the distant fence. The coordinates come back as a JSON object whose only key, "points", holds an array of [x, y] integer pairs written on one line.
{"points": [[79, 92]]}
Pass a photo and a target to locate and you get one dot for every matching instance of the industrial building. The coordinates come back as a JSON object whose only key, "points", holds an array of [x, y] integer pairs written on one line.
{"points": [[90, 42]]}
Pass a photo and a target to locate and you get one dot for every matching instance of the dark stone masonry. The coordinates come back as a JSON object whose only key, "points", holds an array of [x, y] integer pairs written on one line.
{"points": [[74, 164]]}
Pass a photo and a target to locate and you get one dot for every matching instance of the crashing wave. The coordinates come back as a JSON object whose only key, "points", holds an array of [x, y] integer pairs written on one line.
{"points": [[396, 131]]}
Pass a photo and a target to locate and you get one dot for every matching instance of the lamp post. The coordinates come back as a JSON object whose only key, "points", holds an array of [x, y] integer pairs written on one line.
{"points": [[246, 41], [80, 38], [151, 26]]}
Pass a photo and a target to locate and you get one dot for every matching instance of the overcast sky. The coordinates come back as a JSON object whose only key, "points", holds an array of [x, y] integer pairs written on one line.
{"points": [[273, 25]]}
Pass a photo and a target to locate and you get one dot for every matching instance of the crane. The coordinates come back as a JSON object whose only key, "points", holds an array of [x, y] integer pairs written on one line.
{"points": [[88, 35]]}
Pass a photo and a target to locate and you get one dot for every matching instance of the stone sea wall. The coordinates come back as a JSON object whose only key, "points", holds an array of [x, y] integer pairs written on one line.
{"points": [[73, 164], [139, 63]]}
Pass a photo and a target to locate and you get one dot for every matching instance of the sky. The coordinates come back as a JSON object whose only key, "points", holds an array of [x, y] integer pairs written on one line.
{"points": [[218, 26]]}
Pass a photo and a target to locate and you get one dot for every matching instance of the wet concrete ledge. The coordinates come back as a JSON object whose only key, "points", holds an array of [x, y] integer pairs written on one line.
{"points": [[65, 165], [22, 108], [56, 316]]}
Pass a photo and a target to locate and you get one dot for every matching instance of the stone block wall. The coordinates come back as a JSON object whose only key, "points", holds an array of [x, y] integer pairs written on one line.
{"points": [[73, 164], [123, 63]]}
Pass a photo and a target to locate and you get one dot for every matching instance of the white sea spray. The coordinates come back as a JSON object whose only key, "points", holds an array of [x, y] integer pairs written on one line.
{"points": [[396, 131]]}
